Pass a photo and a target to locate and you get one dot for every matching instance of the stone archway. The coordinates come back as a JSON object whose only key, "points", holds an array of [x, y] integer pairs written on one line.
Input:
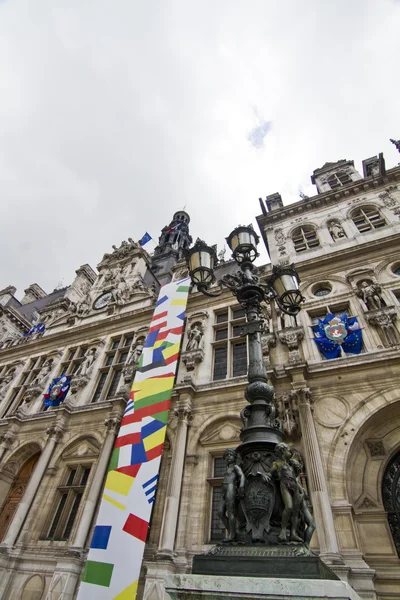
{"points": [[16, 493]]}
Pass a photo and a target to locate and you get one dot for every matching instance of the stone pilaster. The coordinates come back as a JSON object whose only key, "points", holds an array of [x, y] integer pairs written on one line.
{"points": [[169, 524], [316, 480], [92, 499]]}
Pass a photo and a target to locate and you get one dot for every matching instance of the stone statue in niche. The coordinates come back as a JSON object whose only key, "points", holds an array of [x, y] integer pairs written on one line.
{"points": [[195, 337], [135, 352], [121, 292], [43, 373], [6, 380], [86, 365], [370, 293], [232, 492], [336, 231]]}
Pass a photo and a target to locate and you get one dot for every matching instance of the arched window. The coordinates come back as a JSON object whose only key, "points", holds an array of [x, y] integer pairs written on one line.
{"points": [[338, 179], [391, 498], [15, 494], [367, 218], [305, 238]]}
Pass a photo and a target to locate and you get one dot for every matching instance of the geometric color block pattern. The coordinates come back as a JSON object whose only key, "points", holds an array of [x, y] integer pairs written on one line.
{"points": [[116, 551]]}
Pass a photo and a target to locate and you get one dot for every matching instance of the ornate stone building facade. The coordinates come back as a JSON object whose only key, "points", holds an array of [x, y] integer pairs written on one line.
{"points": [[341, 414]]}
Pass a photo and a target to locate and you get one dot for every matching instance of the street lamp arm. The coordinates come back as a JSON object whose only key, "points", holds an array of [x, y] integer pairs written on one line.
{"points": [[203, 290]]}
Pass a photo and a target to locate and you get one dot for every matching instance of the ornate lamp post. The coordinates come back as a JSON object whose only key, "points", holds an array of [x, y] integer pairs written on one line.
{"points": [[262, 496]]}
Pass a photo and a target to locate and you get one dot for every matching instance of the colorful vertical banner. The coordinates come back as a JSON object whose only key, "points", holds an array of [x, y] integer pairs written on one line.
{"points": [[116, 551]]}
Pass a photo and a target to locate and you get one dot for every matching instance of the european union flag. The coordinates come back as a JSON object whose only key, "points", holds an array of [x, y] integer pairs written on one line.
{"points": [[146, 238]]}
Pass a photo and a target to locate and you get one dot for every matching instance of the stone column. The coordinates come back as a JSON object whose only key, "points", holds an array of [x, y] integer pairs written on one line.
{"points": [[316, 480], [170, 517], [92, 500], [55, 434]]}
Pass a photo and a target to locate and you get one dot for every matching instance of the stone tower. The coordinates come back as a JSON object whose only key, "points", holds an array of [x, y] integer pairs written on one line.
{"points": [[173, 241]]}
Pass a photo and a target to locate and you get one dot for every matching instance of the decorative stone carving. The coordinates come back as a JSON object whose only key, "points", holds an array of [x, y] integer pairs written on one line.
{"points": [[42, 375], [196, 334], [279, 236], [7, 439], [369, 291], [124, 250], [129, 370], [268, 341], [336, 231], [289, 414], [376, 448], [112, 423], [86, 366], [389, 200], [367, 503], [55, 432], [384, 318], [6, 380], [292, 337]]}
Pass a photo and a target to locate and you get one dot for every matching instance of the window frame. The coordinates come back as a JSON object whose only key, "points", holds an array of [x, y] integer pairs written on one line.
{"points": [[303, 238], [231, 340], [27, 375], [60, 518], [107, 375], [364, 218], [213, 483]]}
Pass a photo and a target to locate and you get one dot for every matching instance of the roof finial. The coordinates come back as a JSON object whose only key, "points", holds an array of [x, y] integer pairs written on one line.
{"points": [[396, 143]]}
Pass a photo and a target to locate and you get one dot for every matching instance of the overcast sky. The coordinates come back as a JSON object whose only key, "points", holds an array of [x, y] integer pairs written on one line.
{"points": [[116, 113]]}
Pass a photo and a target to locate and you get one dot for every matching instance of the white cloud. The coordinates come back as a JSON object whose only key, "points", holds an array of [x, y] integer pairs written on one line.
{"points": [[115, 114]]}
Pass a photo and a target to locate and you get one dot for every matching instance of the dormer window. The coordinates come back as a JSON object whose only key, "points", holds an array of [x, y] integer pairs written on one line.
{"points": [[367, 218], [338, 179], [305, 238]]}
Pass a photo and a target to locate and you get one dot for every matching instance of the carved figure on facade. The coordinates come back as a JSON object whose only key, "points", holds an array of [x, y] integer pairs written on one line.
{"points": [[6, 380], [279, 236], [86, 366], [232, 493], [195, 340], [336, 231], [288, 414], [370, 293], [43, 373], [384, 319], [292, 337], [129, 370], [268, 341], [389, 200], [135, 352]]}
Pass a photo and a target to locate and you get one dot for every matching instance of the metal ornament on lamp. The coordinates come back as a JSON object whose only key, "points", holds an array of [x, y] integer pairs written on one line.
{"points": [[261, 433]]}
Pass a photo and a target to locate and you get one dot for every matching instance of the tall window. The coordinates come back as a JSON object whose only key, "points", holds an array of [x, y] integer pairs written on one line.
{"points": [[367, 218], [73, 359], [69, 497], [336, 310], [111, 371], [217, 533], [230, 347], [391, 498], [338, 179], [28, 375], [305, 238]]}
